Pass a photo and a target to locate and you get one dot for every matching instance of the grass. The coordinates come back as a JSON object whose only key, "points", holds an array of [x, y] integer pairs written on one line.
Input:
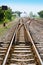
{"points": [[4, 29]]}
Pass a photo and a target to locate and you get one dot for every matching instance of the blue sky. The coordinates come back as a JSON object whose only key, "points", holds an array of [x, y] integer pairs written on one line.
{"points": [[24, 5]]}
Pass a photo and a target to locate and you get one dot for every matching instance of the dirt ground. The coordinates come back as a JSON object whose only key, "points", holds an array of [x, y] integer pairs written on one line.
{"points": [[36, 30]]}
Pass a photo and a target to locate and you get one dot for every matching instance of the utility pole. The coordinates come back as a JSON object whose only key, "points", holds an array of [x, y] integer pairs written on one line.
{"points": [[4, 8]]}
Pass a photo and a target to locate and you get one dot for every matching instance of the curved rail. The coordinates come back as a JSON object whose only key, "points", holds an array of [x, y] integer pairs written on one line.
{"points": [[38, 56]]}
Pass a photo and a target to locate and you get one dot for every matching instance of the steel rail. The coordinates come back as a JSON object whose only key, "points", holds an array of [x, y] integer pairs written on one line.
{"points": [[41, 62], [5, 59]]}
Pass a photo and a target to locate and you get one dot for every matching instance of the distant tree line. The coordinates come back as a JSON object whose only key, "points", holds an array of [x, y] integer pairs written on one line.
{"points": [[7, 14], [41, 14], [18, 13]]}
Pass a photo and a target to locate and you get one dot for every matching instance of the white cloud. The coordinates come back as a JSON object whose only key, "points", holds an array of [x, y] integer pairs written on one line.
{"points": [[26, 8]]}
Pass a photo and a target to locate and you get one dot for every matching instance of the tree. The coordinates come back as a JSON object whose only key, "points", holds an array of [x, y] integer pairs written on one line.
{"points": [[18, 12], [31, 14], [8, 14], [41, 14], [1, 14], [5, 15]]}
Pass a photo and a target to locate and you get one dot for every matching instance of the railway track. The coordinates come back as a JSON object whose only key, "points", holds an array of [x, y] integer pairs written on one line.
{"points": [[21, 55], [21, 51]]}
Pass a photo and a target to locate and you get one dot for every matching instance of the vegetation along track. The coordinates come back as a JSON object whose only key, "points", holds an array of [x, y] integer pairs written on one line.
{"points": [[21, 50]]}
